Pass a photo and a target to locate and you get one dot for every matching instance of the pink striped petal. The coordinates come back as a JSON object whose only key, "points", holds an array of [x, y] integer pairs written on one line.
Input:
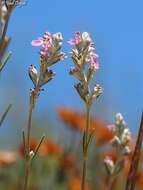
{"points": [[38, 42]]}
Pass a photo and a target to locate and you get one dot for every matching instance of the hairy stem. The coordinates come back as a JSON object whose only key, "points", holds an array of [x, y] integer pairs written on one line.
{"points": [[85, 147]]}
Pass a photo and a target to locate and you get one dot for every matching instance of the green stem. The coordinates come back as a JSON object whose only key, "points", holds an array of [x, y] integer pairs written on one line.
{"points": [[85, 147], [27, 171], [29, 127], [27, 151]]}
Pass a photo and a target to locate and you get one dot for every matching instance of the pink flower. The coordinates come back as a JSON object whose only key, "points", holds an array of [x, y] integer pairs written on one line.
{"points": [[45, 42], [37, 42], [76, 40], [44, 51], [94, 61]]}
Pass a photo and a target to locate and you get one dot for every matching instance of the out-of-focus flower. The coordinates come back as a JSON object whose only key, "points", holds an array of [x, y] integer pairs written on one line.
{"points": [[139, 179], [121, 143], [111, 154], [70, 117], [67, 162], [48, 147], [109, 164], [122, 135], [76, 120], [51, 148], [33, 144], [8, 158], [75, 184]]}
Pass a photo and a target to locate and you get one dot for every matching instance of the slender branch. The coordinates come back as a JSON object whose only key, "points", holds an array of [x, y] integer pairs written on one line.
{"points": [[131, 180], [24, 142], [5, 114], [38, 146], [29, 127], [2, 65], [85, 147], [27, 149]]}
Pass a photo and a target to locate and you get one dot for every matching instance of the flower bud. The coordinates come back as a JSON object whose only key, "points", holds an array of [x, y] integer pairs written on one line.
{"points": [[3, 12], [76, 73], [81, 91], [98, 90], [33, 74], [58, 57], [58, 37], [86, 37], [31, 154], [47, 76], [119, 118]]}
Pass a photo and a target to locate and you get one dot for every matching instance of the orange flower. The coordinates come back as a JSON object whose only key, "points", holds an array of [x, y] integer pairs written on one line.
{"points": [[139, 178], [7, 158], [70, 117], [77, 120], [67, 162], [75, 184], [102, 133], [33, 144], [50, 147], [47, 147]]}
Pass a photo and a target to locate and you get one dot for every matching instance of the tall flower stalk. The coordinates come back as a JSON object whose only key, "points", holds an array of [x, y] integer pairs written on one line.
{"points": [[85, 66], [50, 54]]}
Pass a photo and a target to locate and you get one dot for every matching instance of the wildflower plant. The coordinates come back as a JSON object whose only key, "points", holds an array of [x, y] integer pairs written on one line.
{"points": [[50, 54], [86, 64], [121, 141]]}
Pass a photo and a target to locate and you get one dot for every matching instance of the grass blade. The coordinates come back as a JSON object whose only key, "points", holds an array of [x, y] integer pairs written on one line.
{"points": [[2, 65], [5, 114]]}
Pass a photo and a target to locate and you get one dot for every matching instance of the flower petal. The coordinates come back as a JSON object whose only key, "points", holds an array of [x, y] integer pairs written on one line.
{"points": [[38, 42], [72, 42]]}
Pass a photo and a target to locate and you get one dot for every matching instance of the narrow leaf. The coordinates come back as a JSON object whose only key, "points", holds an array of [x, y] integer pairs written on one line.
{"points": [[2, 65], [5, 114]]}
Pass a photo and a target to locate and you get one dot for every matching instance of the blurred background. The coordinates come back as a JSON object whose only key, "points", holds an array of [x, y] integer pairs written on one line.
{"points": [[117, 30]]}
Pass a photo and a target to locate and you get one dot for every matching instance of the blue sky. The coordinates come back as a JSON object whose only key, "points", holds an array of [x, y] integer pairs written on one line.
{"points": [[117, 30]]}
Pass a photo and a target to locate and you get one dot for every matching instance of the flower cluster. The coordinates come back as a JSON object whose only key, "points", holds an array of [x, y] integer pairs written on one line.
{"points": [[85, 65], [49, 55], [120, 141]]}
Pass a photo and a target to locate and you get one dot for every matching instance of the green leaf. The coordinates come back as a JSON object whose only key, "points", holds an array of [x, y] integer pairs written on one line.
{"points": [[2, 65], [5, 114]]}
